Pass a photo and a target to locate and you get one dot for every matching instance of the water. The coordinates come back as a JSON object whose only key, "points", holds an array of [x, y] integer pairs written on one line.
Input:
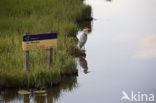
{"points": [[121, 52], [121, 56]]}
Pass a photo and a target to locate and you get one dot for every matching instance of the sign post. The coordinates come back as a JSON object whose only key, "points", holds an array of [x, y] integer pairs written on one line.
{"points": [[26, 61], [49, 56], [39, 41]]}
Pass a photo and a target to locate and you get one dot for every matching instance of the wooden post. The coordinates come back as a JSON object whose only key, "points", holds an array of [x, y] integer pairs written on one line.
{"points": [[26, 61], [49, 57]]}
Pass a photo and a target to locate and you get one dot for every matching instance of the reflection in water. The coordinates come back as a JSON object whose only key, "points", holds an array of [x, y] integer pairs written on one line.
{"points": [[68, 83], [84, 64], [26, 99]]}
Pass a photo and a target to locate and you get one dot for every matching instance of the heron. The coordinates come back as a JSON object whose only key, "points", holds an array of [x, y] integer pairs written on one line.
{"points": [[83, 37]]}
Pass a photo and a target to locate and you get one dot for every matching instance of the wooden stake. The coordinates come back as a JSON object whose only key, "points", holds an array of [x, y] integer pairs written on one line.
{"points": [[49, 57], [26, 61]]}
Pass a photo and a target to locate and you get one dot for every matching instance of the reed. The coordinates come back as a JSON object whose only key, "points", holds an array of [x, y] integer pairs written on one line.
{"points": [[37, 16]]}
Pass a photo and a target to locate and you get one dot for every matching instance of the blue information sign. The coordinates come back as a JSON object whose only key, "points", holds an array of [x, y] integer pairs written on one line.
{"points": [[39, 37], [39, 41]]}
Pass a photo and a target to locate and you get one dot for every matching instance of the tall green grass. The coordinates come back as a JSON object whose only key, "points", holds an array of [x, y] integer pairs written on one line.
{"points": [[37, 16]]}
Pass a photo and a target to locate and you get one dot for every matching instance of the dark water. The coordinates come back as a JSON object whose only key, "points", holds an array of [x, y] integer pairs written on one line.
{"points": [[121, 56]]}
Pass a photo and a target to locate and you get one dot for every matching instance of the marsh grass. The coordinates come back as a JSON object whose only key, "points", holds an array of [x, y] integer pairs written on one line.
{"points": [[37, 16]]}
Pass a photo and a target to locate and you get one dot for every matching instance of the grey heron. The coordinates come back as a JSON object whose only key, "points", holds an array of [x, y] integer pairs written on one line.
{"points": [[83, 37]]}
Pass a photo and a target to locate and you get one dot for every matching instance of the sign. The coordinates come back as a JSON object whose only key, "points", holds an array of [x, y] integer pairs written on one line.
{"points": [[39, 41]]}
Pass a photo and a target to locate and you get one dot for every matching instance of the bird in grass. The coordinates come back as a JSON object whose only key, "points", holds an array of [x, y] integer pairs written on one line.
{"points": [[83, 37]]}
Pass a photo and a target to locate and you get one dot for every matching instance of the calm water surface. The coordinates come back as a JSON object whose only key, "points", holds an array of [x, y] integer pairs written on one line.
{"points": [[121, 52], [121, 55]]}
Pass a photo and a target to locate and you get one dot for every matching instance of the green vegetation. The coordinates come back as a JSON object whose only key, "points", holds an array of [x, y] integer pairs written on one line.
{"points": [[37, 16]]}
